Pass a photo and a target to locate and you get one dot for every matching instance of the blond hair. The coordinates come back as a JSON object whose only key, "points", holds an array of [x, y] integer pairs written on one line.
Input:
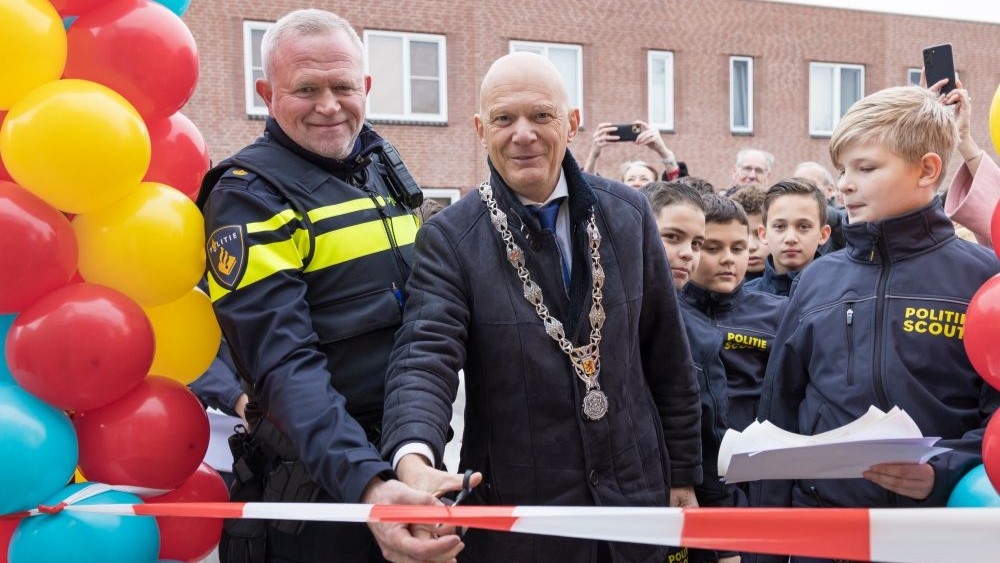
{"points": [[909, 121]]}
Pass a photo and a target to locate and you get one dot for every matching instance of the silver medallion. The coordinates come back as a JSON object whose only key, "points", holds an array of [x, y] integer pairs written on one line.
{"points": [[595, 404]]}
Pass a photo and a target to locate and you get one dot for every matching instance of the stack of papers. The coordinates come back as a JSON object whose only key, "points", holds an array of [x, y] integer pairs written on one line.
{"points": [[764, 451]]}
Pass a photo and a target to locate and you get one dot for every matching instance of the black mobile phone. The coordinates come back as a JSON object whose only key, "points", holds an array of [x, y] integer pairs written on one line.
{"points": [[628, 131], [939, 64]]}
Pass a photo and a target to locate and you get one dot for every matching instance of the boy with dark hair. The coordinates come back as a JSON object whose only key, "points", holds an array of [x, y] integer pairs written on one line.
{"points": [[730, 331], [751, 199], [850, 338], [794, 227], [680, 217]]}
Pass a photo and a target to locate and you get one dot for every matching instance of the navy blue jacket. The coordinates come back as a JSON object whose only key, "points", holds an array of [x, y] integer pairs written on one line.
{"points": [[881, 323], [523, 425], [772, 282], [731, 336], [307, 258]]}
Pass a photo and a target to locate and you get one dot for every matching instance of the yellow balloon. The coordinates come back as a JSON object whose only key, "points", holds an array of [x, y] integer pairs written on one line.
{"points": [[187, 337], [76, 144], [995, 120], [32, 48], [149, 245]]}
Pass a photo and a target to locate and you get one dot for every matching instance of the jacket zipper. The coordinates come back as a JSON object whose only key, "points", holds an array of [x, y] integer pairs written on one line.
{"points": [[850, 344], [883, 278]]}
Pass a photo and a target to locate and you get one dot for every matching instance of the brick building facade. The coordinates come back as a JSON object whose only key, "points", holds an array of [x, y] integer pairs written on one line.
{"points": [[783, 41]]}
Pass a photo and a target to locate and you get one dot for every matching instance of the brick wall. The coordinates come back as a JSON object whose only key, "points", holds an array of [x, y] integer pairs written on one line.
{"points": [[703, 34]]}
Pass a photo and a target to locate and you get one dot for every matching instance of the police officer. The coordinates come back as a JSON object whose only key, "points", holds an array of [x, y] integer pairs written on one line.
{"points": [[309, 240]]}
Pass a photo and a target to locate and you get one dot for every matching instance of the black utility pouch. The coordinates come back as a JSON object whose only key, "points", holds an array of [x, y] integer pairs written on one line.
{"points": [[290, 482], [244, 540]]}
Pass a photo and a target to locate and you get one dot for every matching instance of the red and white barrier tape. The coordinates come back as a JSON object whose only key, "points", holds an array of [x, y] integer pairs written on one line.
{"points": [[893, 535]]}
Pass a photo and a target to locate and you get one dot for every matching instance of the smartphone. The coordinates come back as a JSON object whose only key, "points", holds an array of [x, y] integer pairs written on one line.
{"points": [[939, 64], [628, 131]]}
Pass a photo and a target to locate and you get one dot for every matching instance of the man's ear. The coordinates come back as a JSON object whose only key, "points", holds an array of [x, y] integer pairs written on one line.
{"points": [[574, 124], [263, 88], [368, 83], [931, 167], [479, 129]]}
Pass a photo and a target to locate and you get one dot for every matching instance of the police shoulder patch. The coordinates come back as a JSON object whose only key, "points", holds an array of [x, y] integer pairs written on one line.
{"points": [[227, 255]]}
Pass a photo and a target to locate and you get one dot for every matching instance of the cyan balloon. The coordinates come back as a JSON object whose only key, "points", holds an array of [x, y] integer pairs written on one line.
{"points": [[39, 449], [82, 537], [5, 377], [974, 490], [176, 6]]}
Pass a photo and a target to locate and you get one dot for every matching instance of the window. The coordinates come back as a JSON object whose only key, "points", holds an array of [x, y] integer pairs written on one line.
{"points": [[568, 59], [409, 76], [253, 66], [660, 77], [832, 89], [741, 94], [444, 196]]}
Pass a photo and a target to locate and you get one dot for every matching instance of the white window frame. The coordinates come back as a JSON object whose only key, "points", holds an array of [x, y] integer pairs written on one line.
{"points": [[253, 104], [451, 194], [837, 111], [666, 59], [543, 50], [733, 126], [408, 114]]}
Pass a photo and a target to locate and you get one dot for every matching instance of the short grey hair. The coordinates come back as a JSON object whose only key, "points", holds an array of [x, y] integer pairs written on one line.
{"points": [[303, 22], [767, 156]]}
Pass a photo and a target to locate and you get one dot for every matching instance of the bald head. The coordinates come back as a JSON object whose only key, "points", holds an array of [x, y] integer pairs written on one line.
{"points": [[527, 68], [525, 123]]}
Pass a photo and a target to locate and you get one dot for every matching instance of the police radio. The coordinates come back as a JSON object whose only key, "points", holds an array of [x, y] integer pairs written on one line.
{"points": [[401, 183]]}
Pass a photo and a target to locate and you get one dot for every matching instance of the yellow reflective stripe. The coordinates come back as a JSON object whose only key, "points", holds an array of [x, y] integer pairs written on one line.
{"points": [[274, 223], [215, 291], [266, 259], [357, 241], [344, 208]]}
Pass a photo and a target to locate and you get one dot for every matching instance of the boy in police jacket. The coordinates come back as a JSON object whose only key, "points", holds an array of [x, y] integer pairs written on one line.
{"points": [[730, 330], [845, 342]]}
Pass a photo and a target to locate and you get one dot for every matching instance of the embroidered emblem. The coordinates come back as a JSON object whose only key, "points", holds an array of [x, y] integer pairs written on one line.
{"points": [[239, 172], [227, 255]]}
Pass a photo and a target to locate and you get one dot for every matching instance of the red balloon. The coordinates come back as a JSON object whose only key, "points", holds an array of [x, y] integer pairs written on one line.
{"points": [[81, 346], [995, 230], [982, 331], [991, 451], [39, 248], [155, 436], [76, 7], [7, 528], [139, 49], [191, 539], [180, 155], [4, 175]]}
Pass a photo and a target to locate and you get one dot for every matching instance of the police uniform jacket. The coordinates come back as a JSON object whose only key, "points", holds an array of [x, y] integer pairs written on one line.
{"points": [[306, 276], [523, 424], [731, 336], [881, 323], [771, 281]]}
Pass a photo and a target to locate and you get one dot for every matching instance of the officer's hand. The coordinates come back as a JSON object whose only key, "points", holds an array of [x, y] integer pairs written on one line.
{"points": [[414, 470], [914, 480], [683, 497], [408, 544]]}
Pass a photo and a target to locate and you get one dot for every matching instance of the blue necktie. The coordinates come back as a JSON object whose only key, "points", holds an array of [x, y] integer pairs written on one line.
{"points": [[547, 215]]}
